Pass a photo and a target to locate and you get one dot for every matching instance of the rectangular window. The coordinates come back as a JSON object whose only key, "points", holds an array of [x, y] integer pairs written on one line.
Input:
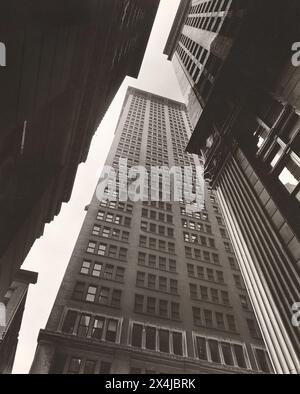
{"points": [[74, 366], [85, 268], [208, 318], [214, 351], [69, 322], [137, 333], [83, 326], [123, 254], [240, 356], [150, 338], [102, 249], [227, 353], [78, 291], [104, 295], [91, 247], [97, 270], [116, 298], [98, 328], [164, 345], [91, 294], [111, 331], [201, 348], [177, 344], [175, 314], [231, 323], [163, 308], [151, 305], [112, 251], [138, 304], [120, 272], [108, 271], [89, 367]]}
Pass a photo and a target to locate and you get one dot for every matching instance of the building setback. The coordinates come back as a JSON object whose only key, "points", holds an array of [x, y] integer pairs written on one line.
{"points": [[11, 314], [234, 60], [152, 287], [64, 63]]}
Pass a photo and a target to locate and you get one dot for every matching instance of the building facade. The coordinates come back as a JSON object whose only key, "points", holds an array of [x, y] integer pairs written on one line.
{"points": [[11, 314], [247, 129], [152, 286], [65, 62]]}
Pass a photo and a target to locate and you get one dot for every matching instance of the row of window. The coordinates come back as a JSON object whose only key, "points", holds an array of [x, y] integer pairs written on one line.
{"points": [[197, 254], [159, 283], [196, 226], [211, 275], [161, 339], [157, 244], [157, 229], [62, 363], [103, 249], [209, 6], [157, 262], [197, 215], [97, 294], [110, 232], [154, 215], [157, 339], [159, 205], [203, 293], [212, 319], [114, 218], [101, 270], [157, 307], [199, 239], [86, 325]]}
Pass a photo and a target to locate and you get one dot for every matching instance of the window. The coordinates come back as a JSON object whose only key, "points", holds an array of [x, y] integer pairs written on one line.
{"points": [[100, 215], [263, 360], [150, 338], [177, 343], [96, 230], [163, 308], [220, 321], [102, 249], [91, 247], [103, 296], [74, 366], [78, 291], [240, 356], [89, 367], [123, 254], [91, 293], [116, 298], [108, 271], [231, 323], [227, 353], [193, 291], [172, 265], [151, 305], [204, 293], [138, 305], [173, 286], [175, 315], [112, 251], [105, 367], [201, 348], [85, 268], [120, 272], [214, 351], [225, 297], [111, 331], [97, 269], [137, 332], [98, 328], [69, 322], [162, 283], [109, 218], [83, 326], [208, 318], [253, 329], [115, 233], [164, 345]]}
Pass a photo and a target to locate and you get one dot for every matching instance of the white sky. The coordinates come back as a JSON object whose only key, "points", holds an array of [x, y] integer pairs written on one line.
{"points": [[50, 254]]}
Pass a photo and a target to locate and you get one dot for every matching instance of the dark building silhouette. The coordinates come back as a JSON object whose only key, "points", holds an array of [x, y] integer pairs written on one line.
{"points": [[65, 61], [11, 314], [152, 286], [234, 61]]}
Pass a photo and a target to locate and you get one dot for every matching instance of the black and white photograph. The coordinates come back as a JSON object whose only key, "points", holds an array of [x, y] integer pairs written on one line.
{"points": [[149, 190]]}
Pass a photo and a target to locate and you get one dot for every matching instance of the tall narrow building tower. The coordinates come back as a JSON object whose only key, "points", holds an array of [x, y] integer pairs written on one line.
{"points": [[152, 287]]}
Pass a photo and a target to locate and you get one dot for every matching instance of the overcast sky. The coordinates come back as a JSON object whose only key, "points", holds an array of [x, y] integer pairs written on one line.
{"points": [[50, 254]]}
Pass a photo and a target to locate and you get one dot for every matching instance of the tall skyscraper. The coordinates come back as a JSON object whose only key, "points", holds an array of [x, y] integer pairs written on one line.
{"points": [[242, 87], [65, 62], [152, 286]]}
